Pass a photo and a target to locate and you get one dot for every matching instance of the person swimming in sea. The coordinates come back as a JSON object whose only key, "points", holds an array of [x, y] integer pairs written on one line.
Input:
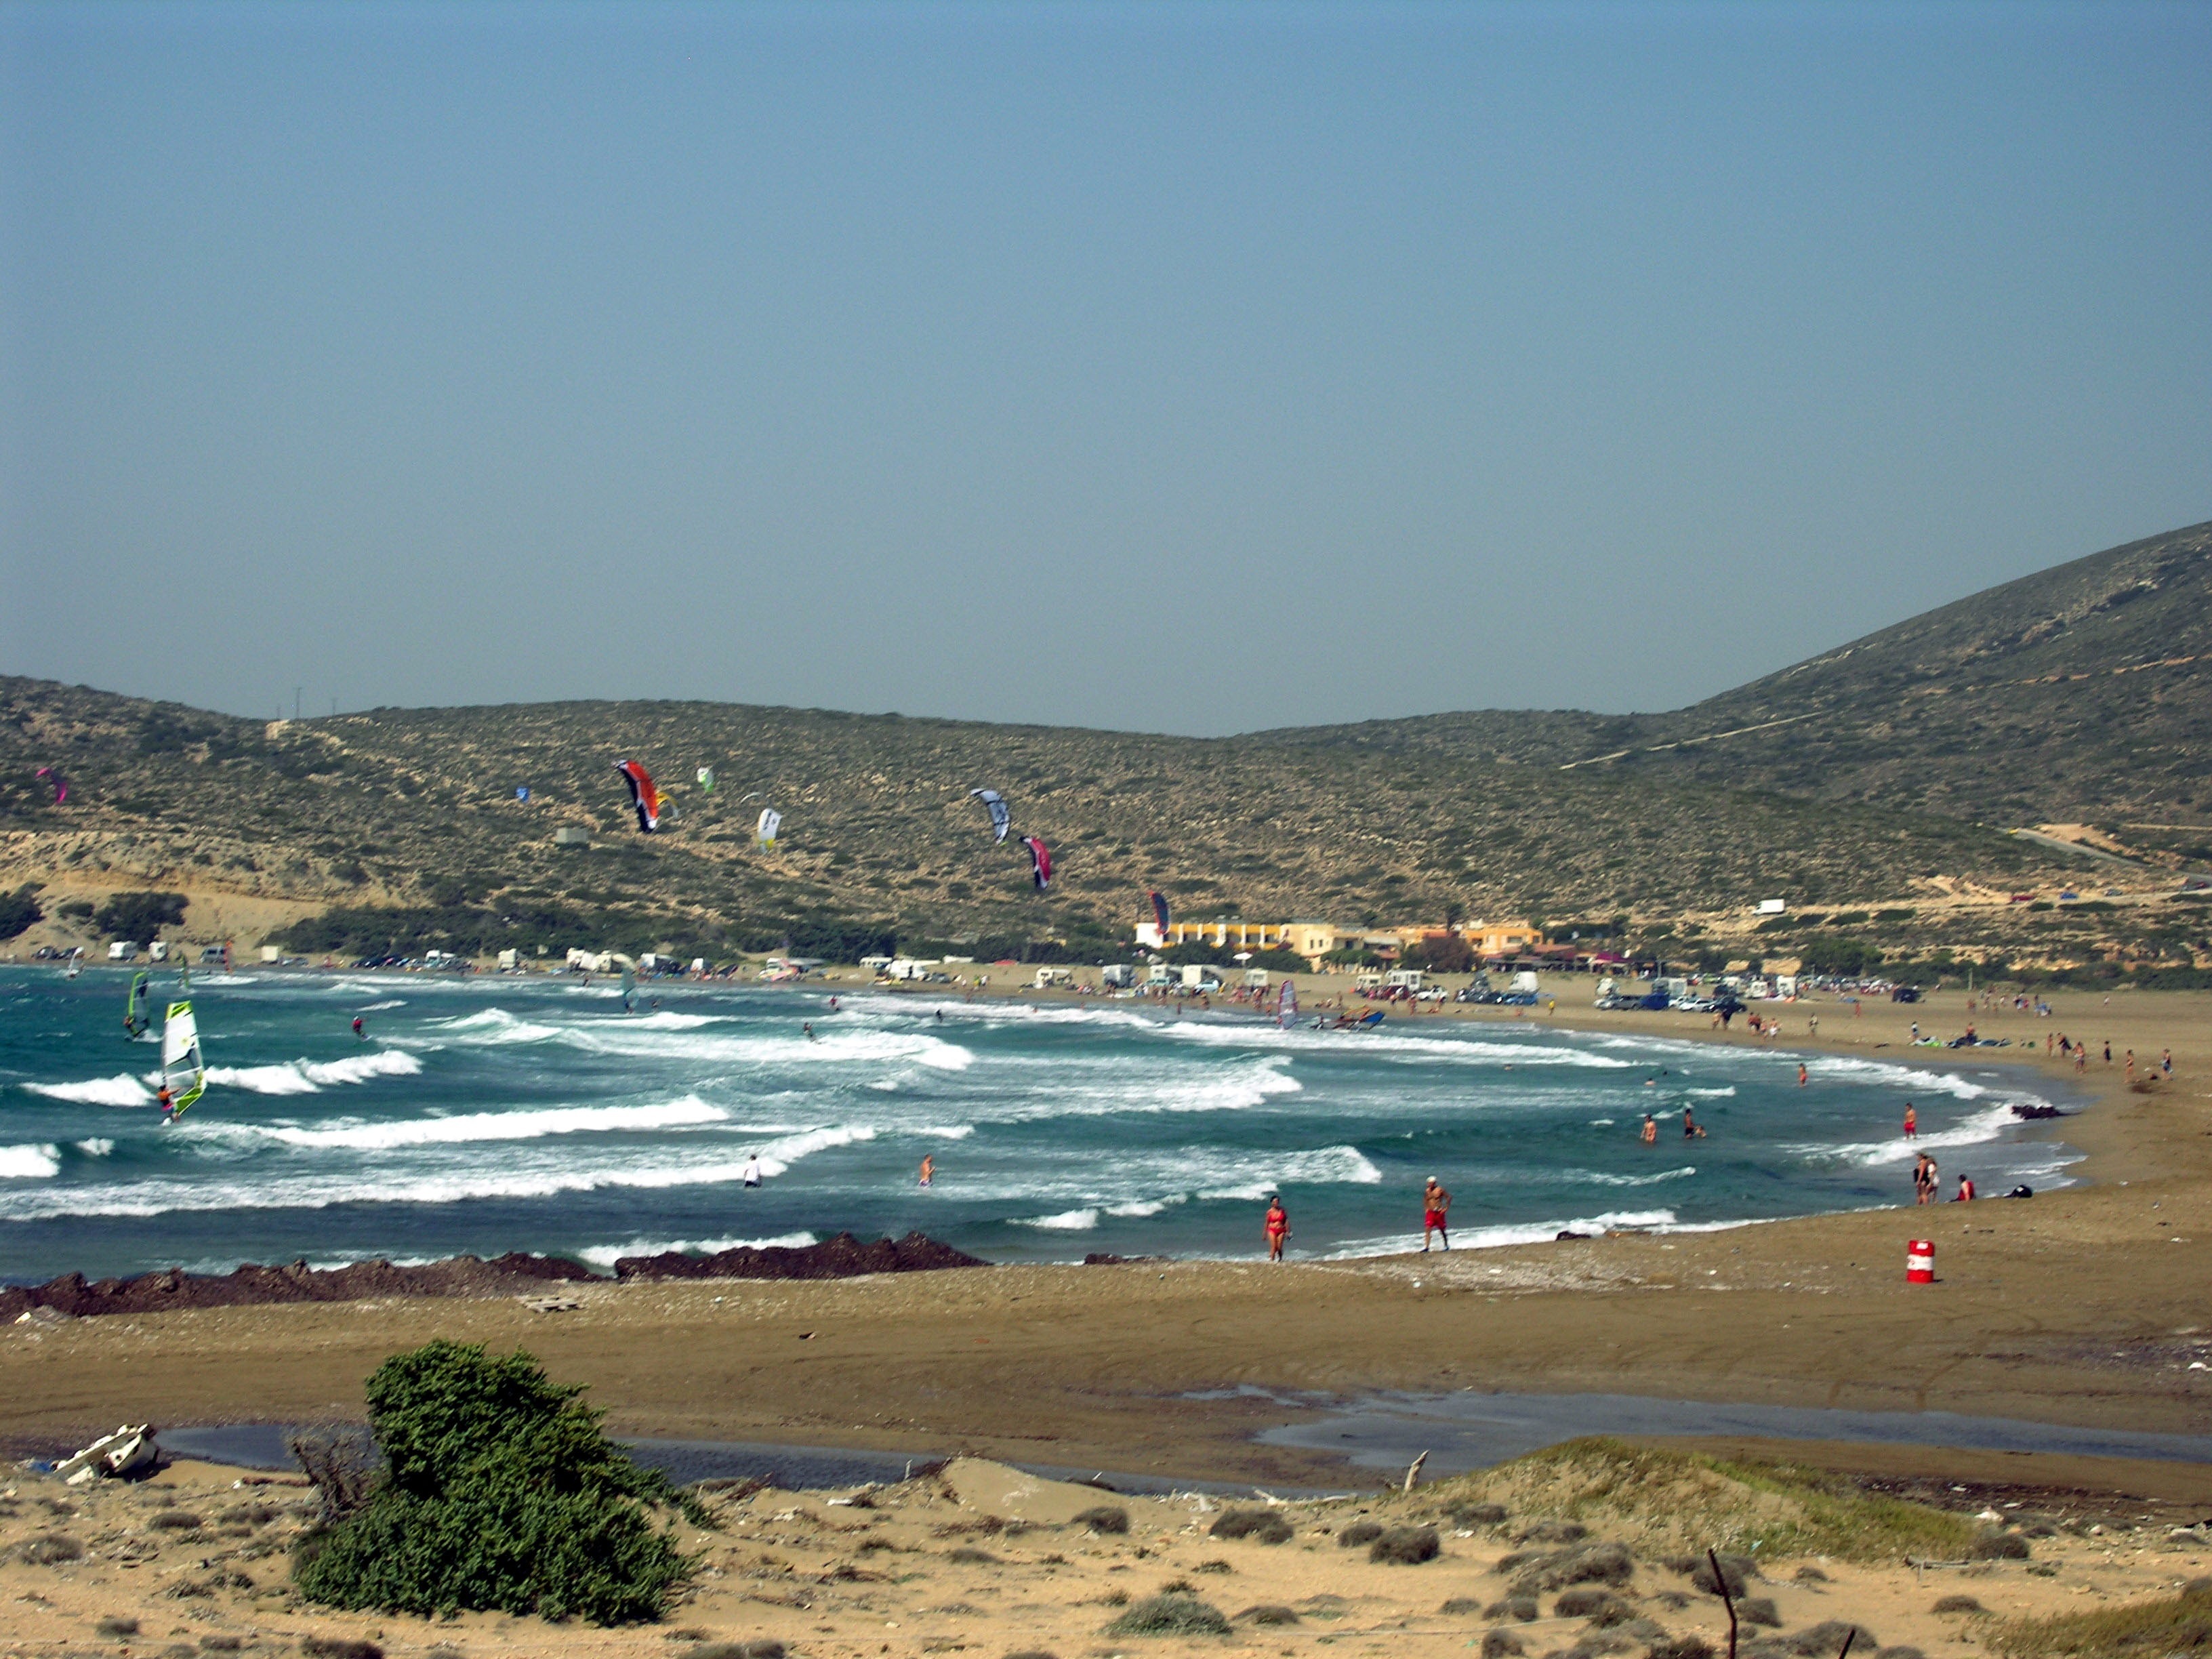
{"points": [[1650, 1135]]}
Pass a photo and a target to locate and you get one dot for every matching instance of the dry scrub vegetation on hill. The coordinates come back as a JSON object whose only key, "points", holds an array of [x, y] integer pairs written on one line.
{"points": [[2077, 696]]}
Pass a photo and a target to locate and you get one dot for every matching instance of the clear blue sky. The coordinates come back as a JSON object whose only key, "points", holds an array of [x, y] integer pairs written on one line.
{"points": [[1191, 367]]}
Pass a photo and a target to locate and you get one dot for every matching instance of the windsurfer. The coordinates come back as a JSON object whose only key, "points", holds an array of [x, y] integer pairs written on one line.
{"points": [[167, 1102], [358, 1029]]}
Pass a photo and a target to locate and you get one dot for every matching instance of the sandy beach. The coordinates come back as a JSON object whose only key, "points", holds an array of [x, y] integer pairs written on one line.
{"points": [[2084, 1306]]}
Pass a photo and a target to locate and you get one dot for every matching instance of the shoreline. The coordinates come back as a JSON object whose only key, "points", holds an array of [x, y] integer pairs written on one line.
{"points": [[2082, 1306]]}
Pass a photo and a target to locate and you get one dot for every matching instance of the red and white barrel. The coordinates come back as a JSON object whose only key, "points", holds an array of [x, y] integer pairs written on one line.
{"points": [[1920, 1261]]}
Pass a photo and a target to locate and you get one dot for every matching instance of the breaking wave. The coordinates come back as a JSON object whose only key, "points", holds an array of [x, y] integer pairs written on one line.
{"points": [[121, 1089], [30, 1163]]}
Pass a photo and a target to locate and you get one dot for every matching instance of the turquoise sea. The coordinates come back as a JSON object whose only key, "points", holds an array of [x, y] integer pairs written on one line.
{"points": [[485, 1114]]}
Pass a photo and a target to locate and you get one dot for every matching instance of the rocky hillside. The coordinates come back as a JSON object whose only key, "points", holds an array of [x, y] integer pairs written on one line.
{"points": [[1886, 770]]}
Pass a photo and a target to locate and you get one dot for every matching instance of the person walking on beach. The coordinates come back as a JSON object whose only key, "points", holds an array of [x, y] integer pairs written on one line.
{"points": [[2108, 1051], [2165, 1064], [929, 1169], [1911, 1122], [1651, 1136], [2131, 1065], [1436, 1210], [751, 1175], [1279, 1226]]}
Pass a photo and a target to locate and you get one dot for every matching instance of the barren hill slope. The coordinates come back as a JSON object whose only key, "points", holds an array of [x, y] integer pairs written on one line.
{"points": [[1864, 775], [2079, 693]]}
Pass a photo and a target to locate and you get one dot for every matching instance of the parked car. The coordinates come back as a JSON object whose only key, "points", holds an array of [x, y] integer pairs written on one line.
{"points": [[1905, 994]]}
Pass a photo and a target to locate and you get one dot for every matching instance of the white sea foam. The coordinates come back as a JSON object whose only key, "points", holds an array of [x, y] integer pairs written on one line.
{"points": [[307, 1077], [121, 1089], [606, 1256], [1974, 1130], [498, 1126], [379, 1007], [1712, 1094], [495, 1025], [1387, 1045], [30, 1163], [1528, 1232], [666, 1021], [945, 1131], [97, 1147], [1599, 1178], [1068, 1221], [463, 1179], [1143, 1207]]}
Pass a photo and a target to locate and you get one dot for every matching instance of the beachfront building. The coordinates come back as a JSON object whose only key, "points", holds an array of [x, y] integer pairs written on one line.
{"points": [[1221, 933]]}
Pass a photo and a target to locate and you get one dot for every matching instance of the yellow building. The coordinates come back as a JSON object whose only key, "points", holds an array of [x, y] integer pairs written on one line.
{"points": [[1228, 936]]}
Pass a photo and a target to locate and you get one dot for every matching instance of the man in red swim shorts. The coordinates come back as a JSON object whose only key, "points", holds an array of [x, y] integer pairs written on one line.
{"points": [[1435, 1206]]}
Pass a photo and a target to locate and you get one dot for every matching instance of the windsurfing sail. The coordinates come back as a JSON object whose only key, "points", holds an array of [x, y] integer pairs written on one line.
{"points": [[1160, 910], [137, 1017], [706, 780], [1040, 862], [628, 987], [764, 831], [644, 796], [522, 791], [180, 1052], [1286, 1007], [1002, 816], [76, 963], [59, 783]]}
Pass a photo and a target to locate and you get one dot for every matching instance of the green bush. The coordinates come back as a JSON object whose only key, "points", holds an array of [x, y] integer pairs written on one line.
{"points": [[19, 909], [501, 1492], [139, 915]]}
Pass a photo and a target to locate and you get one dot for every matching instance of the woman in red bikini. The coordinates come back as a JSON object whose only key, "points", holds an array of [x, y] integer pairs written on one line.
{"points": [[1278, 1227]]}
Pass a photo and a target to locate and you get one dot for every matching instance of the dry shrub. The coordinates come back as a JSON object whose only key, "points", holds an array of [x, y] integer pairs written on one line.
{"points": [[232, 1645], [1956, 1604], [2171, 1625], [1033, 1653], [1680, 1647], [1592, 1601], [1523, 1607], [434, 1653], [1826, 1638], [176, 1521], [1215, 1565], [1501, 1645], [251, 1514], [342, 1464], [1809, 1574], [969, 1555], [761, 1647], [1406, 1546], [1479, 1515], [1170, 1615], [1760, 1610], [1358, 1533], [115, 1626], [1104, 1518], [868, 1544], [51, 1549], [1737, 1571], [1581, 1563], [339, 1647], [1462, 1607], [1262, 1526], [1995, 1546], [1552, 1532], [1269, 1613]]}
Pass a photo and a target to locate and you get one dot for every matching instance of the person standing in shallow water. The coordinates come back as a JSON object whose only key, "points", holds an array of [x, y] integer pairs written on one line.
{"points": [[1651, 1136], [1435, 1214], [929, 1169], [1279, 1226], [1911, 1122]]}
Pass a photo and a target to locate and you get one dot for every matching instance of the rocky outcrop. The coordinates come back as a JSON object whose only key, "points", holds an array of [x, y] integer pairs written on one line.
{"points": [[253, 1284], [842, 1257]]}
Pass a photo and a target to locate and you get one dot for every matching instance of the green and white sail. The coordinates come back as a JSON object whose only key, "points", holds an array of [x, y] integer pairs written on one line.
{"points": [[137, 1017], [180, 1052]]}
